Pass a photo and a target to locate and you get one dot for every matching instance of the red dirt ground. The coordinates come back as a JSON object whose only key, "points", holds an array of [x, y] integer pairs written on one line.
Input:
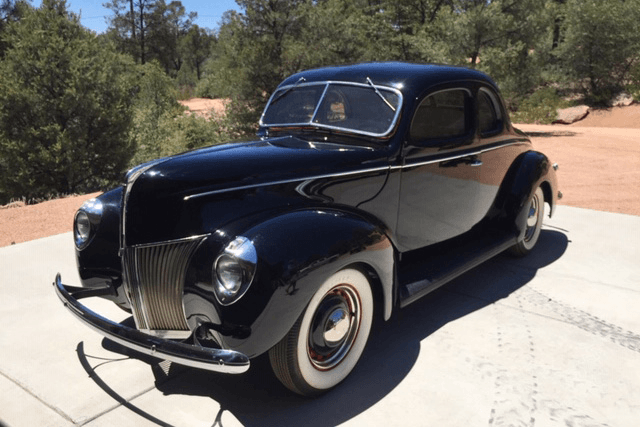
{"points": [[204, 107], [599, 161]]}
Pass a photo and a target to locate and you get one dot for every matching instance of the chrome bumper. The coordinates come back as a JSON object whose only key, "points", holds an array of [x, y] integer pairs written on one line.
{"points": [[210, 359]]}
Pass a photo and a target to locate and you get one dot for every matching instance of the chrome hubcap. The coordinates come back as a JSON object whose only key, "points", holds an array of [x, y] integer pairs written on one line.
{"points": [[532, 219], [337, 326], [334, 327]]}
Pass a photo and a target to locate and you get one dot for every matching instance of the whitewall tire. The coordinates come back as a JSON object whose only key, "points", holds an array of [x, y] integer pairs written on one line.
{"points": [[533, 226], [329, 337]]}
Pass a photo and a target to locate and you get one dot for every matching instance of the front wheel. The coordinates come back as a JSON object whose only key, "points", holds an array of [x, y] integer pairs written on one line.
{"points": [[533, 225], [327, 340]]}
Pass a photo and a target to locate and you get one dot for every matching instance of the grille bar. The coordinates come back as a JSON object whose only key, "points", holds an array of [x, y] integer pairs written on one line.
{"points": [[155, 276]]}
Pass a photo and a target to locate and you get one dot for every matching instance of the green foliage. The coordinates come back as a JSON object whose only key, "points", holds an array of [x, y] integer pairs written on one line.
{"points": [[600, 44], [633, 84], [10, 11], [173, 134], [65, 107], [195, 48], [252, 55], [160, 126], [65, 92], [540, 107], [155, 103], [150, 30]]}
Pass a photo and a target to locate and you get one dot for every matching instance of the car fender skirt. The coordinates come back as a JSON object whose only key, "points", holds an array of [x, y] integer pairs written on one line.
{"points": [[210, 359]]}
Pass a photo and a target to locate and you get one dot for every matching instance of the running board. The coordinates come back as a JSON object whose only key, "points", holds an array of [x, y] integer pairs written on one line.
{"points": [[424, 270]]}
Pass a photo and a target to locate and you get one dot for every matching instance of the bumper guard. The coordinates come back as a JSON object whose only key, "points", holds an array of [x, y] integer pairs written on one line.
{"points": [[210, 359]]}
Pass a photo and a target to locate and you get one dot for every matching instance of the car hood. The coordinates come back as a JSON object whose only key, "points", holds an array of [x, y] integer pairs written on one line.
{"points": [[199, 191]]}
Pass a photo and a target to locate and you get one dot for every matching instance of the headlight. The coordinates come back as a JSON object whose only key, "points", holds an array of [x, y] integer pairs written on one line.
{"points": [[234, 270], [86, 222]]}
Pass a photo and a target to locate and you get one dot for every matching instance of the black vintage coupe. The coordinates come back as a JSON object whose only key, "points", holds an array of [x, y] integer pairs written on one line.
{"points": [[368, 187]]}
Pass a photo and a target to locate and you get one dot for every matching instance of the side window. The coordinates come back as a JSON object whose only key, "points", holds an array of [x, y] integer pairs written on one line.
{"points": [[441, 115], [489, 117]]}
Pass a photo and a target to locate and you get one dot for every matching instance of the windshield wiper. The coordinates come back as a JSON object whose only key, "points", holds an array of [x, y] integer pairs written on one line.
{"points": [[284, 92], [380, 95]]}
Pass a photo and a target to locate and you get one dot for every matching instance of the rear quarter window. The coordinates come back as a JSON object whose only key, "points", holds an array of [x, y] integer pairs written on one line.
{"points": [[441, 115], [489, 113]]}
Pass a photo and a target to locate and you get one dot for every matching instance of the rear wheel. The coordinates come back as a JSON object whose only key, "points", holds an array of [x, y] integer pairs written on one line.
{"points": [[533, 226], [328, 338]]}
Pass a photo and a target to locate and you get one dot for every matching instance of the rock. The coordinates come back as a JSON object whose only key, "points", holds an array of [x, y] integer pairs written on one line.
{"points": [[622, 99], [571, 115]]}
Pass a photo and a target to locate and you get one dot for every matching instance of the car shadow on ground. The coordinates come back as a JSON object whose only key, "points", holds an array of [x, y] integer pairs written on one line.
{"points": [[256, 398]]}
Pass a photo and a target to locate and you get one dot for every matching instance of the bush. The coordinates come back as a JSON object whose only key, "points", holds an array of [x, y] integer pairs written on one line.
{"points": [[633, 84], [161, 126], [173, 134], [600, 45], [65, 107], [540, 107]]}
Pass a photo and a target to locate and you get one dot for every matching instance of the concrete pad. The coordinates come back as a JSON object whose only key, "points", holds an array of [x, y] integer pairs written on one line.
{"points": [[42, 342], [154, 409], [552, 339], [19, 407]]}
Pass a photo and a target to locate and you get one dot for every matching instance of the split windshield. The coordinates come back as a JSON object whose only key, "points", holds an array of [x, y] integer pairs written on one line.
{"points": [[360, 108]]}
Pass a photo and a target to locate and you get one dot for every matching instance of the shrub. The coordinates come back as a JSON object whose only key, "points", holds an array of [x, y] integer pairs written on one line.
{"points": [[65, 107], [540, 107]]}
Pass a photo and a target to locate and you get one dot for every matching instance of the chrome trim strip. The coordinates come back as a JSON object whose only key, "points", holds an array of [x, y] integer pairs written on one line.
{"points": [[457, 156], [210, 359], [327, 83], [315, 112], [337, 175], [171, 335], [284, 181], [131, 178], [142, 308]]}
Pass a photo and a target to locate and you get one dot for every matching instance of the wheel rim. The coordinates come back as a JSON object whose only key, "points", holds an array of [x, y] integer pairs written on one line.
{"points": [[533, 218], [334, 327]]}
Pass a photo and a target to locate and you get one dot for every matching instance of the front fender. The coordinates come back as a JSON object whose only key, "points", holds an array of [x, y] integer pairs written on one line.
{"points": [[297, 251], [99, 263]]}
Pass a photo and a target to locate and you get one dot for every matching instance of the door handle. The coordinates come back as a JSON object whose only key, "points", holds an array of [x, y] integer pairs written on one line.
{"points": [[472, 160]]}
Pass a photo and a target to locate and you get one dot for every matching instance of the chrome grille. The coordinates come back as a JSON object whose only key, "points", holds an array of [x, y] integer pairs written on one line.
{"points": [[155, 283]]}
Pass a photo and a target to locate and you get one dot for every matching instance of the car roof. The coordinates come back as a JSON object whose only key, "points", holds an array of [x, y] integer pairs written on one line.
{"points": [[407, 77]]}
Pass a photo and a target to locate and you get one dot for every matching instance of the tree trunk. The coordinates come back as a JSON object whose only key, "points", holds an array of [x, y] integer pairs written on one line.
{"points": [[133, 20]]}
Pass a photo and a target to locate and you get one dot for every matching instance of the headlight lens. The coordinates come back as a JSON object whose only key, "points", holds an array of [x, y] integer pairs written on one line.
{"points": [[83, 227], [86, 222], [234, 270], [230, 274]]}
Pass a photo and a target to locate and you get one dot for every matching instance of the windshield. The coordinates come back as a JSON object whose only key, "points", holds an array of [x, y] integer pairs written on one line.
{"points": [[360, 108]]}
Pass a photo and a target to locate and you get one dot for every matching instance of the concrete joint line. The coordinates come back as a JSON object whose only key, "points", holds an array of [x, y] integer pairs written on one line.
{"points": [[38, 398]]}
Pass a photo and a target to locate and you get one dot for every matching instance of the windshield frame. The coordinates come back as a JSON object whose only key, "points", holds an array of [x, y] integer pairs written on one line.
{"points": [[326, 84]]}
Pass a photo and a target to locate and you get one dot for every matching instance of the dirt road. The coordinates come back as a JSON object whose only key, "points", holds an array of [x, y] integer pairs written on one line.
{"points": [[599, 167]]}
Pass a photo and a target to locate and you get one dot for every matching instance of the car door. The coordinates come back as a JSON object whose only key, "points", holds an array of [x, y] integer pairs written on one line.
{"points": [[440, 174]]}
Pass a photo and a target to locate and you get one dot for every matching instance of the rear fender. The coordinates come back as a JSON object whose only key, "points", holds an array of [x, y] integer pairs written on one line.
{"points": [[527, 172]]}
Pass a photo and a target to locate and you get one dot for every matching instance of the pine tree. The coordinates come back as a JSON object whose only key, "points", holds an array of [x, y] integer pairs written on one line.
{"points": [[65, 107]]}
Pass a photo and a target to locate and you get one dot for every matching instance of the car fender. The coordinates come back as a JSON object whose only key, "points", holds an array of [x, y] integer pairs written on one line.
{"points": [[528, 171], [98, 263], [297, 251]]}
